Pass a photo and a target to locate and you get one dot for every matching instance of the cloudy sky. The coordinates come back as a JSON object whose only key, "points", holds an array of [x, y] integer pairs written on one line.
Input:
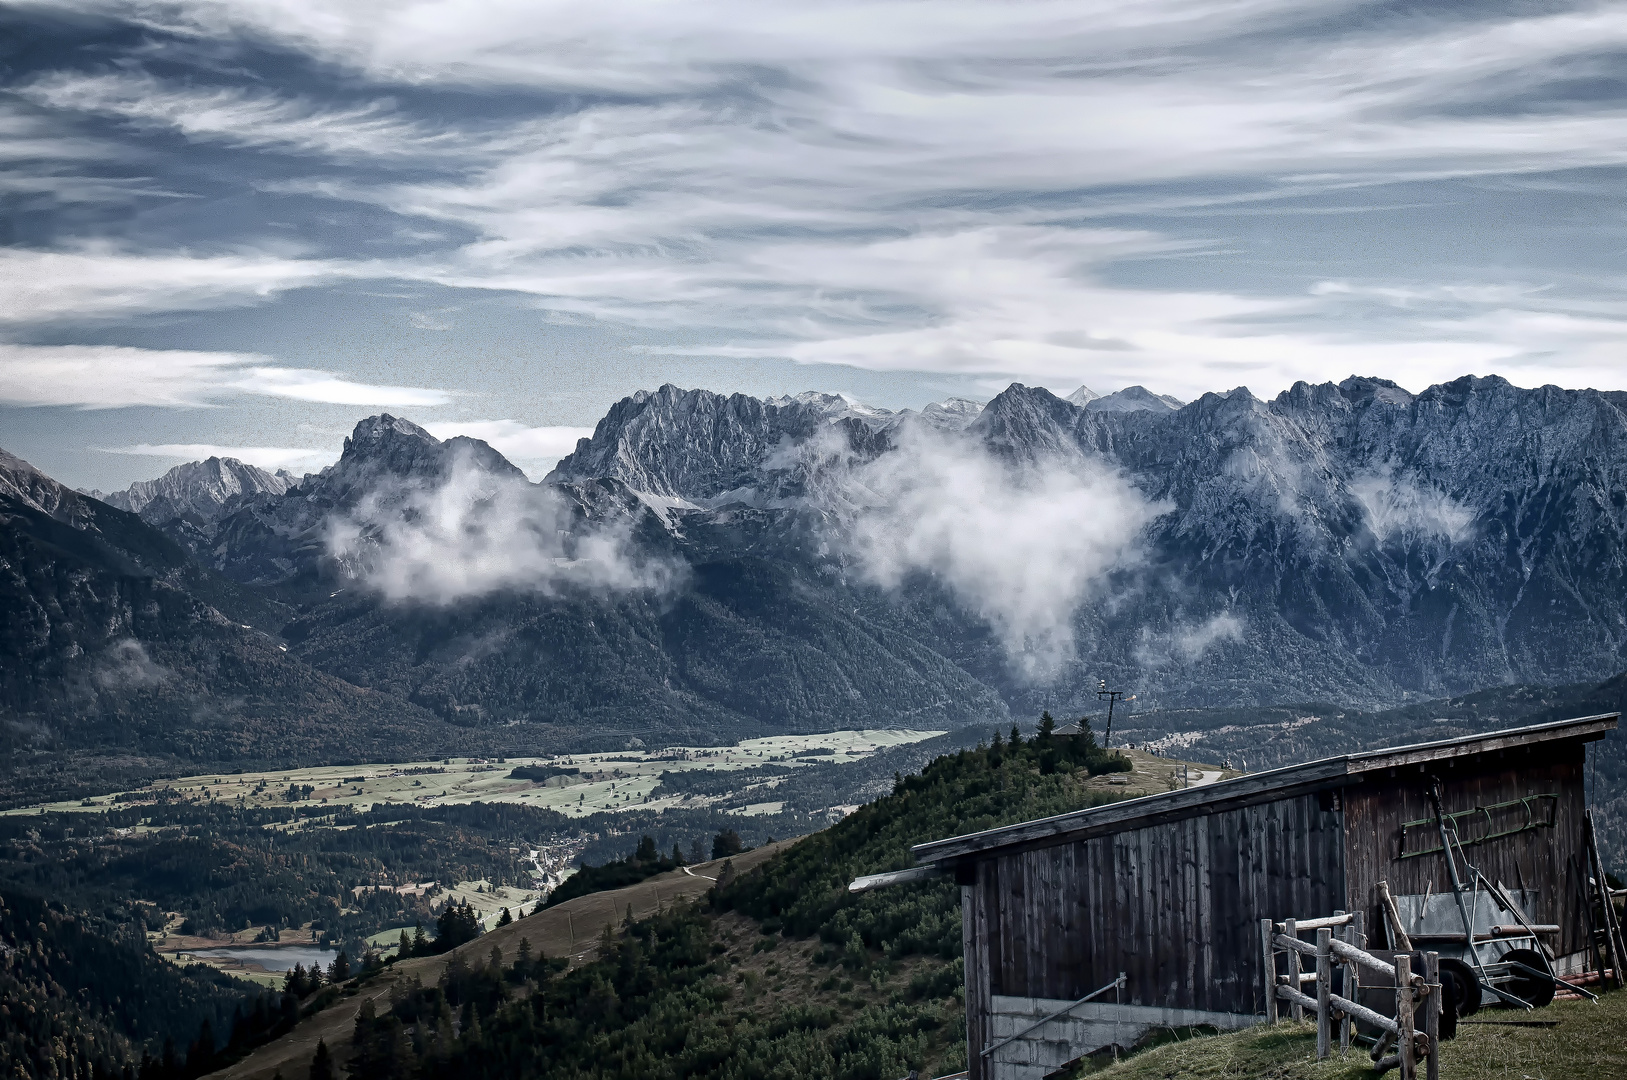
{"points": [[238, 227]]}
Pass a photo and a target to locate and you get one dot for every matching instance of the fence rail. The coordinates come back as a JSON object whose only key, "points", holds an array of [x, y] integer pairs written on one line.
{"points": [[1417, 995]]}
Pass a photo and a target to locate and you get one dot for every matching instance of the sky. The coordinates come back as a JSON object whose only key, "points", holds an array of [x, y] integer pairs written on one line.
{"points": [[237, 228]]}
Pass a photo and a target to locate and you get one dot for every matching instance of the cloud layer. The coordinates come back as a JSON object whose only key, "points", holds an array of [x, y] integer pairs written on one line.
{"points": [[1022, 545], [475, 534], [1184, 193], [534, 449], [114, 377]]}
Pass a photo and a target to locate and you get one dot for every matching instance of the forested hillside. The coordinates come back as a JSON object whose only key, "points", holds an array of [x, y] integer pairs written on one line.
{"points": [[781, 972], [83, 996]]}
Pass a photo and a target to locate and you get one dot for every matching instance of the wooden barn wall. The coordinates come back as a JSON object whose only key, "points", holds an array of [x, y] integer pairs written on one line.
{"points": [[1546, 860], [1176, 907]]}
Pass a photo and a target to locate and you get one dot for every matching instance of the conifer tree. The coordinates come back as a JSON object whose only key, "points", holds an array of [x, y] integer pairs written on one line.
{"points": [[322, 1062]]}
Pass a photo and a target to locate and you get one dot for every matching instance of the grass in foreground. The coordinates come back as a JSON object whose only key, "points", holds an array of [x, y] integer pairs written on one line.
{"points": [[1590, 1041]]}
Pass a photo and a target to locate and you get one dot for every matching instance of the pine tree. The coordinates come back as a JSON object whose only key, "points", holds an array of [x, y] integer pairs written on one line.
{"points": [[322, 1062], [200, 1058], [726, 843], [505, 918]]}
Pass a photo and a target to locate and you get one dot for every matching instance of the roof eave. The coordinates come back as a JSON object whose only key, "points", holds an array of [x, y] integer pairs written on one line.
{"points": [[1285, 782]]}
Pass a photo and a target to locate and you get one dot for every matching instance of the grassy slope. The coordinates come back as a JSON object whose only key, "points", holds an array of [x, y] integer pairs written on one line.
{"points": [[1590, 1041], [768, 973], [572, 929]]}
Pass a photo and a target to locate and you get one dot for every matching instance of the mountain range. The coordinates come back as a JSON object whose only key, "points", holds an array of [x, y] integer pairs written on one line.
{"points": [[711, 566]]}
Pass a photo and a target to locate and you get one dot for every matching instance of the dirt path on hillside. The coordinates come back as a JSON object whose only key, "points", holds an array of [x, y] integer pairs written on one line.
{"points": [[572, 929]]}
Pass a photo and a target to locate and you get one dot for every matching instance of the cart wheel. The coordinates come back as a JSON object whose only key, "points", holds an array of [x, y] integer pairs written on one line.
{"points": [[1465, 987], [1527, 987], [1451, 991]]}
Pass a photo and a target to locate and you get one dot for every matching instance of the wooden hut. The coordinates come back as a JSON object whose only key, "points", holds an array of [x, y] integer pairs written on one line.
{"points": [[1170, 889]]}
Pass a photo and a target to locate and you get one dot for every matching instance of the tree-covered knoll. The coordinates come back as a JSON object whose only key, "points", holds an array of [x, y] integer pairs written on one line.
{"points": [[83, 996], [804, 891], [780, 973]]}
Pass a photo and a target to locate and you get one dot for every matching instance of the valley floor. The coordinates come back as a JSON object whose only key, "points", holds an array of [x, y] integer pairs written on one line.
{"points": [[623, 780]]}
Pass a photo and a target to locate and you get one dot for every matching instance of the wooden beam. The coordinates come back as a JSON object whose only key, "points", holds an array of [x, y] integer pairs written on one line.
{"points": [[1393, 916], [1587, 728], [1298, 1010], [1270, 958], [1324, 990], [892, 877], [1317, 924]]}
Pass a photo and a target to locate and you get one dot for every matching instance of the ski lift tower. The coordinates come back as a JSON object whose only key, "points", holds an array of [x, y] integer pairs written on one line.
{"points": [[1112, 696]]}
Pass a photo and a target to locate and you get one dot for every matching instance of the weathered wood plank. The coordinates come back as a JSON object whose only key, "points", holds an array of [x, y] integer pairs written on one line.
{"points": [[976, 975]]}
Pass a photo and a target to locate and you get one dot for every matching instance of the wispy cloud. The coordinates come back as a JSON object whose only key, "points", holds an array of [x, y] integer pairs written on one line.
{"points": [[1023, 545], [536, 450], [116, 377], [101, 281], [265, 457], [961, 186], [242, 116], [475, 533]]}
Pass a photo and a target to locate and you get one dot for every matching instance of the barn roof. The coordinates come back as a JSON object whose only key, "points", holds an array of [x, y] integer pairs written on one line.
{"points": [[1253, 788]]}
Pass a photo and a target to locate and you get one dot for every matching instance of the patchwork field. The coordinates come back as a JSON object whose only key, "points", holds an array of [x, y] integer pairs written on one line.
{"points": [[586, 784]]}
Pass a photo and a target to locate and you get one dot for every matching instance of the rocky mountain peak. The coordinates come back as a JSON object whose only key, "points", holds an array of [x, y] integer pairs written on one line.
{"points": [[1083, 396], [385, 430], [1029, 421], [1362, 391], [21, 481], [693, 445], [834, 407], [951, 414], [386, 444], [199, 491], [1130, 399]]}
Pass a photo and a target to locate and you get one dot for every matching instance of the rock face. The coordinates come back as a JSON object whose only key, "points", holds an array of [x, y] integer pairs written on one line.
{"points": [[118, 644], [273, 538], [696, 446], [1350, 543], [1130, 399], [1346, 542], [200, 492]]}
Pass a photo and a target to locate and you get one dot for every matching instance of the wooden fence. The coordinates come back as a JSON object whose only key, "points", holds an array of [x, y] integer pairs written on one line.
{"points": [[1417, 995]]}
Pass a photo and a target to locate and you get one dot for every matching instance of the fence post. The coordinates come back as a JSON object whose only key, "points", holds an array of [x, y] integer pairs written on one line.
{"points": [[1270, 972], [1348, 983], [1295, 1010], [1432, 1015], [1324, 991], [1405, 1049]]}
